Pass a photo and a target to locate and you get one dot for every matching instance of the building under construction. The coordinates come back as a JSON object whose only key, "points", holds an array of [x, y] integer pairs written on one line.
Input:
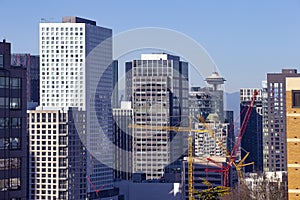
{"points": [[202, 170]]}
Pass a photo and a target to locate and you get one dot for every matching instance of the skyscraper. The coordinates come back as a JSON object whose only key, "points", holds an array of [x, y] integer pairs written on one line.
{"points": [[13, 123], [252, 138], [275, 128], [115, 95], [57, 156], [293, 135], [123, 117], [76, 71], [157, 85]]}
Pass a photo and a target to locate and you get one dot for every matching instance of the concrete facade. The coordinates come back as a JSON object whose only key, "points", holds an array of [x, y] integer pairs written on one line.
{"points": [[207, 146], [157, 85], [57, 156]]}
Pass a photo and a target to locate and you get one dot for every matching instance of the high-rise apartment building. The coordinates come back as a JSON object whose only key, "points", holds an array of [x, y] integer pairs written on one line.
{"points": [[57, 156], [207, 146], [292, 91], [76, 71], [157, 85], [275, 123], [252, 136], [13, 123], [32, 65], [123, 117]]}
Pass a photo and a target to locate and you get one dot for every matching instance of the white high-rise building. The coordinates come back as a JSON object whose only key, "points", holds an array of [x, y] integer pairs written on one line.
{"points": [[76, 71], [208, 146]]}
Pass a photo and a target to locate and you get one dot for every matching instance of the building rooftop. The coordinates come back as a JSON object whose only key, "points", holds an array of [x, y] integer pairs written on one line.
{"points": [[74, 19], [159, 56]]}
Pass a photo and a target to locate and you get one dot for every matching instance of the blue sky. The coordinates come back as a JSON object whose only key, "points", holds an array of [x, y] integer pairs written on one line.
{"points": [[246, 39]]}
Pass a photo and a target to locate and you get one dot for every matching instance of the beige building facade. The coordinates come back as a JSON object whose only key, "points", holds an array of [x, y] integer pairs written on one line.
{"points": [[293, 136]]}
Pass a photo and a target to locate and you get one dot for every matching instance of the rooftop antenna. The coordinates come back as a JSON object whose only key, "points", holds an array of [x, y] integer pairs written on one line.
{"points": [[215, 68]]}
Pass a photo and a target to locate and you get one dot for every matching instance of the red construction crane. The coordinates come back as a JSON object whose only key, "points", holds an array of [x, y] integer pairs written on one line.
{"points": [[223, 169], [243, 128], [232, 156]]}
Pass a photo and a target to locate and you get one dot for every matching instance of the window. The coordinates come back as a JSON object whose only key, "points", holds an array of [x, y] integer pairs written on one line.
{"points": [[16, 122], [4, 102], [10, 163], [296, 98], [4, 122], [15, 103], [43, 117], [1, 61], [10, 143], [10, 184], [15, 83], [4, 82]]}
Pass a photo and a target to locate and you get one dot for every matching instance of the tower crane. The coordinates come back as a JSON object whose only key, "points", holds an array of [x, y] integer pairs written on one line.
{"points": [[190, 130], [241, 164], [243, 128], [233, 154], [223, 169]]}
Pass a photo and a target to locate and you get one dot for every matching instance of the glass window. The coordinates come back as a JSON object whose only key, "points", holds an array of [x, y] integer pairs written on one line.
{"points": [[15, 83], [4, 122], [4, 82], [296, 98], [43, 117], [10, 163], [10, 143], [1, 61], [3, 102], [16, 122], [15, 103], [15, 183]]}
